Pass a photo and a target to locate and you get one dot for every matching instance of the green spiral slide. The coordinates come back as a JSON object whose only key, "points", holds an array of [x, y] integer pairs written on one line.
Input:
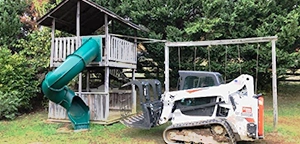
{"points": [[54, 85]]}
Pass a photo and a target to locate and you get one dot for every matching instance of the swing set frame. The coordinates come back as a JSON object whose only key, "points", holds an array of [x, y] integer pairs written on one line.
{"points": [[258, 40]]}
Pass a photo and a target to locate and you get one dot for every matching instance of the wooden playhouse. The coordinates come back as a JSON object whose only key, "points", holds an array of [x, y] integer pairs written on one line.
{"points": [[81, 18]]}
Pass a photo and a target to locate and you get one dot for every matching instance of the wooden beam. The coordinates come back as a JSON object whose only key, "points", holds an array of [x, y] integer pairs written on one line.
{"points": [[139, 38], [78, 43], [133, 92], [106, 78], [52, 42], [107, 41], [133, 86], [88, 81], [106, 90], [93, 93], [274, 86], [78, 24], [221, 42]]}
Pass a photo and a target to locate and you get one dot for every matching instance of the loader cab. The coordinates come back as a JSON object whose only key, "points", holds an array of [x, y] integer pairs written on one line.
{"points": [[196, 79]]}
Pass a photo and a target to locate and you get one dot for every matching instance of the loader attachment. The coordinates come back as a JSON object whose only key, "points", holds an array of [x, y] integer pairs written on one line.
{"points": [[150, 103]]}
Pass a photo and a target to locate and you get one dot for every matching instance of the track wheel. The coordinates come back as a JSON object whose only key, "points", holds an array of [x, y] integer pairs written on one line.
{"points": [[218, 130], [219, 133]]}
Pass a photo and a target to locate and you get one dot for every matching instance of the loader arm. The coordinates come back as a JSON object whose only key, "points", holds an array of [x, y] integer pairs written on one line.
{"points": [[150, 104]]}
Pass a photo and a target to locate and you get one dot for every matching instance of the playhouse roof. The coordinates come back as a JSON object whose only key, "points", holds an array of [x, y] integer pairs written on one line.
{"points": [[91, 17]]}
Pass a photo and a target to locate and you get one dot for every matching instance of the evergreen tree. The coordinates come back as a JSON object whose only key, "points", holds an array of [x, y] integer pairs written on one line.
{"points": [[185, 20]]}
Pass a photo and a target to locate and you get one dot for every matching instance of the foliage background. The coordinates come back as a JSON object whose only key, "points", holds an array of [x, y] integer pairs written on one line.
{"points": [[184, 20], [24, 57]]}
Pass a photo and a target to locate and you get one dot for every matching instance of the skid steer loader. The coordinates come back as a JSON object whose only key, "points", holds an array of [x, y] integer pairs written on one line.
{"points": [[218, 113]]}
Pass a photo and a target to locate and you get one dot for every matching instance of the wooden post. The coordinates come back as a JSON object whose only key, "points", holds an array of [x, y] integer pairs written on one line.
{"points": [[133, 86], [107, 41], [78, 42], [78, 24], [133, 92], [52, 42], [166, 68], [274, 85], [106, 78], [88, 81]]}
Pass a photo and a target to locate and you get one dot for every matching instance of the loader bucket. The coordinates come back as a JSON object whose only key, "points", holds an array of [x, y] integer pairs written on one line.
{"points": [[151, 105]]}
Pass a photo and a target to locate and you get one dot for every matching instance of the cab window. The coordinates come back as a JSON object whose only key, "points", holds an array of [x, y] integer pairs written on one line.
{"points": [[190, 82]]}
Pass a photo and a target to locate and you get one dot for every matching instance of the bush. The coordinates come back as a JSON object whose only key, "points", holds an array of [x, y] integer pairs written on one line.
{"points": [[17, 83], [9, 103]]}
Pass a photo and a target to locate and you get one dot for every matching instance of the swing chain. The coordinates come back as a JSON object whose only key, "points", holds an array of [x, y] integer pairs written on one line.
{"points": [[256, 73], [208, 55], [225, 62]]}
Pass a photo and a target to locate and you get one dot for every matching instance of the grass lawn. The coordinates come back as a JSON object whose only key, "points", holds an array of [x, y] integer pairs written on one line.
{"points": [[288, 130], [33, 128]]}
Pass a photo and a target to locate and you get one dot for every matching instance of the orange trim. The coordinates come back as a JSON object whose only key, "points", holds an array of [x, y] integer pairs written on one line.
{"points": [[250, 120], [193, 90], [260, 116]]}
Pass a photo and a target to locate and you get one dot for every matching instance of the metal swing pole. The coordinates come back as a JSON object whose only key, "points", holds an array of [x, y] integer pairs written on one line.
{"points": [[274, 86], [225, 62], [239, 58], [256, 73]]}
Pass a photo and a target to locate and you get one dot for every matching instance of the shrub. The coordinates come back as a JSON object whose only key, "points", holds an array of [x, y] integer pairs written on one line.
{"points": [[17, 83], [9, 103]]}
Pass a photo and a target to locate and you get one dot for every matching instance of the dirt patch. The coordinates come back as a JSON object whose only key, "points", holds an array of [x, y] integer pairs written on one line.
{"points": [[270, 138], [290, 121], [66, 128], [275, 138]]}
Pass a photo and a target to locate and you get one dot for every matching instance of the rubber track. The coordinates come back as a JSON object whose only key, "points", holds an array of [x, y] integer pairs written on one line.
{"points": [[219, 121]]}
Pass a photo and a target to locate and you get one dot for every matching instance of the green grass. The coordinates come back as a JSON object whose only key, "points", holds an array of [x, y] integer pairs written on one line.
{"points": [[288, 113], [32, 128]]}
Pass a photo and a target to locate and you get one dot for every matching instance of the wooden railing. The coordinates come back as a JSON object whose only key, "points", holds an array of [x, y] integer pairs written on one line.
{"points": [[122, 50], [119, 50], [62, 48]]}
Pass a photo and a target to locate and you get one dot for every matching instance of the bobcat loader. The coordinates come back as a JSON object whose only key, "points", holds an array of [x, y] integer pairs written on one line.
{"points": [[225, 113]]}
